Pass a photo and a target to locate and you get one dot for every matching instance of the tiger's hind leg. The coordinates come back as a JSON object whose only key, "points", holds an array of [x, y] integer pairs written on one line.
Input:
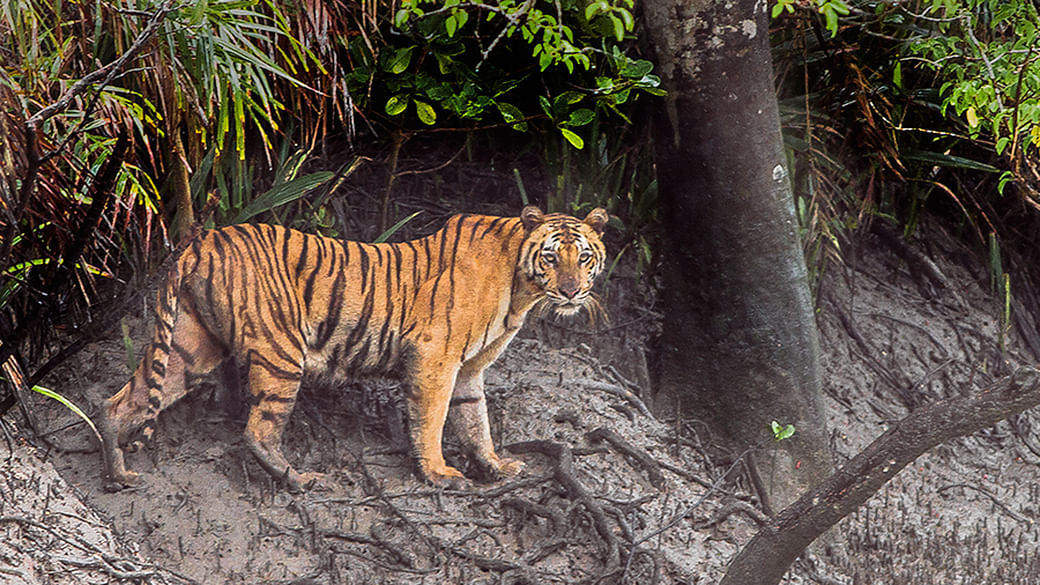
{"points": [[273, 389], [159, 381]]}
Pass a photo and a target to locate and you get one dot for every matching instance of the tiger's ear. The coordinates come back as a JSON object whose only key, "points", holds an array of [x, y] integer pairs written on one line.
{"points": [[532, 217], [597, 219]]}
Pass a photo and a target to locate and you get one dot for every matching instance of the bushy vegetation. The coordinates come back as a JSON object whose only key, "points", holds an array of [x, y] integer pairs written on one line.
{"points": [[899, 105]]}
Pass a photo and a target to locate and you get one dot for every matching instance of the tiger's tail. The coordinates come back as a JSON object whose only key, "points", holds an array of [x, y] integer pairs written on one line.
{"points": [[140, 400]]}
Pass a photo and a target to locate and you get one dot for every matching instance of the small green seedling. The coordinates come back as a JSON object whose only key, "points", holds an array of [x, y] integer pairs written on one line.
{"points": [[69, 405], [781, 432]]}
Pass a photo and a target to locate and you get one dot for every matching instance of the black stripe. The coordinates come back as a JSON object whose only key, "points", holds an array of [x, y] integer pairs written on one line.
{"points": [[184, 354], [357, 361], [415, 264], [364, 263], [426, 248], [444, 242], [362, 324], [497, 222], [332, 311], [389, 356], [255, 358], [398, 262], [433, 296], [301, 258], [465, 400], [308, 287], [473, 232]]}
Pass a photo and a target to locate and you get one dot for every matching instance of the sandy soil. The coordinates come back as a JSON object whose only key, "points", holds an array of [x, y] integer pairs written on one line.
{"points": [[963, 513]]}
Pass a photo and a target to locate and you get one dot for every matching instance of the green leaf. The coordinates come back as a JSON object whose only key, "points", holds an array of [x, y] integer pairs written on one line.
{"points": [[462, 17], [511, 113], [1002, 143], [637, 69], [627, 18], [544, 60], [451, 24], [591, 10], [69, 405], [575, 140], [401, 18], [948, 160], [393, 229], [400, 60], [619, 28], [569, 97], [781, 432], [287, 192], [396, 104], [581, 116], [443, 63], [1004, 179], [546, 106], [427, 115]]}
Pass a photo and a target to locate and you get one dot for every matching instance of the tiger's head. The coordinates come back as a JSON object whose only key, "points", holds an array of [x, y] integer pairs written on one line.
{"points": [[562, 255]]}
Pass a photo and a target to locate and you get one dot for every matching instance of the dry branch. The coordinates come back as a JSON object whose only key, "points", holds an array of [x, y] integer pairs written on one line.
{"points": [[648, 463], [564, 474], [765, 559]]}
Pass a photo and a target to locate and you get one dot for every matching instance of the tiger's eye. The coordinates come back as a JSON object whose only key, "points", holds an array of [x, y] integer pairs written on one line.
{"points": [[550, 257], [585, 256]]}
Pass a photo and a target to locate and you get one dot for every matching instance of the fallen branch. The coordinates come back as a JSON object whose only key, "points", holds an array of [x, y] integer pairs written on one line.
{"points": [[731, 508], [765, 559], [564, 474], [616, 390], [996, 501], [648, 463], [525, 506]]}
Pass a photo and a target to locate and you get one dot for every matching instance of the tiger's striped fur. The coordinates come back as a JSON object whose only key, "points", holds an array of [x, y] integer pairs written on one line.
{"points": [[280, 303]]}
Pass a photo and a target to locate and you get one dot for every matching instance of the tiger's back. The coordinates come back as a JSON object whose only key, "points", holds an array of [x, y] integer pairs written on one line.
{"points": [[279, 303]]}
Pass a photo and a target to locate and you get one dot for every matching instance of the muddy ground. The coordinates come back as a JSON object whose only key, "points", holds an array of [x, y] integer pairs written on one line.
{"points": [[206, 513]]}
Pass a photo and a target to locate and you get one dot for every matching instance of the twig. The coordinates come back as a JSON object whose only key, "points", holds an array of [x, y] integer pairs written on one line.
{"points": [[108, 72], [648, 463], [616, 391], [732, 508], [527, 506], [992, 497], [564, 474], [106, 568]]}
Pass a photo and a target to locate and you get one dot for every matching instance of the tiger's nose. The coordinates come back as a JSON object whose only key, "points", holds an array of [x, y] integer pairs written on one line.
{"points": [[569, 287]]}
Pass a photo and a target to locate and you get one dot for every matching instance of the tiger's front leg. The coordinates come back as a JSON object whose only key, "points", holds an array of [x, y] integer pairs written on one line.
{"points": [[429, 394], [468, 416]]}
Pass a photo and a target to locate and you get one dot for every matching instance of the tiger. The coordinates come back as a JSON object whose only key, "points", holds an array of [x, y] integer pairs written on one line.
{"points": [[268, 304]]}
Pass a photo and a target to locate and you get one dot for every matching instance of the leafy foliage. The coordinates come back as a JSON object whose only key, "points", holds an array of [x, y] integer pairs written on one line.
{"points": [[986, 53], [488, 64], [908, 104], [830, 9]]}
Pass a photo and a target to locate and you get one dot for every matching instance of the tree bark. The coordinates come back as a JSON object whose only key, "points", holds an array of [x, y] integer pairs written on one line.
{"points": [[739, 347], [765, 559]]}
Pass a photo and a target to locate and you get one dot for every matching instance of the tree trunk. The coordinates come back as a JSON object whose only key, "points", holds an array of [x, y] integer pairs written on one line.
{"points": [[739, 347]]}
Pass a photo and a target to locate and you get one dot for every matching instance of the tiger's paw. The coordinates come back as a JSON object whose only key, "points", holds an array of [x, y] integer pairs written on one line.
{"points": [[506, 467], [117, 481], [500, 468], [447, 477], [300, 482]]}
